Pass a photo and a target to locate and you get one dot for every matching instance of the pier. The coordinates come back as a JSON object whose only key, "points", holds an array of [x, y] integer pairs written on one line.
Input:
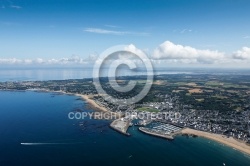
{"points": [[156, 133], [121, 125]]}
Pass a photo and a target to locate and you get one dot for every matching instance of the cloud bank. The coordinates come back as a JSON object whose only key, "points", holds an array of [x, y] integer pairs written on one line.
{"points": [[169, 50], [39, 61], [165, 54], [243, 54]]}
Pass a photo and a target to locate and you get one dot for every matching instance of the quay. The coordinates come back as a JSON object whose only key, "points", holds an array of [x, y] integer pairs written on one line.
{"points": [[162, 130], [155, 133], [121, 126]]}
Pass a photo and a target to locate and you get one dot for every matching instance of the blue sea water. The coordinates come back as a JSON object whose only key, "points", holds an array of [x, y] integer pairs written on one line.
{"points": [[32, 117], [41, 74], [37, 74]]}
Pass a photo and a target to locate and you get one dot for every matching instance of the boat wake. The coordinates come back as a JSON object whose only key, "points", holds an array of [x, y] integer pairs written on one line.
{"points": [[33, 144]]}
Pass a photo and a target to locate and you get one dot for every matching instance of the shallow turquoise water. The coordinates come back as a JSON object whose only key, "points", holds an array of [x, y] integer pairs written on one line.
{"points": [[43, 118]]}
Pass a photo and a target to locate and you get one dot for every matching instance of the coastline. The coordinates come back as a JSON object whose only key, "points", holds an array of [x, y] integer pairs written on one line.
{"points": [[95, 106], [92, 103], [93, 138], [86, 98], [229, 141]]}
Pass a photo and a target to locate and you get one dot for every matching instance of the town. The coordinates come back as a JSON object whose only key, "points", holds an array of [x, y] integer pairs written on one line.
{"points": [[207, 102]]}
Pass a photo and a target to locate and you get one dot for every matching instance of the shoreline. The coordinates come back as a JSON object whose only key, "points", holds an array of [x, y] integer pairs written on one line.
{"points": [[229, 141], [86, 98], [92, 103]]}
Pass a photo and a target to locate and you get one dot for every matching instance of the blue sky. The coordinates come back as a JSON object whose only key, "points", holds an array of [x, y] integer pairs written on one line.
{"points": [[48, 29]]}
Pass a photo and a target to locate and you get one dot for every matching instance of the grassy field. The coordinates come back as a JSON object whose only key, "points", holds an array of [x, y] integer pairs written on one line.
{"points": [[148, 109], [213, 83]]}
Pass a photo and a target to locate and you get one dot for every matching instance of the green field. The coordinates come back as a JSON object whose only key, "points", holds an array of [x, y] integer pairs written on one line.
{"points": [[213, 83], [148, 109]]}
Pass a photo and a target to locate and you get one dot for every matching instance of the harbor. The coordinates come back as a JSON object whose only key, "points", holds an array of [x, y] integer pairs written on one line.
{"points": [[159, 129], [162, 130]]}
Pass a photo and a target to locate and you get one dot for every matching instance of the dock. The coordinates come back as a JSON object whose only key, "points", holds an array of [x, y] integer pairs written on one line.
{"points": [[121, 126], [163, 130], [156, 133]]}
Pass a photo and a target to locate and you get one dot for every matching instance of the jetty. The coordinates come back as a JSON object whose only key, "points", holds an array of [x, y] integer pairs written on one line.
{"points": [[121, 125], [156, 133]]}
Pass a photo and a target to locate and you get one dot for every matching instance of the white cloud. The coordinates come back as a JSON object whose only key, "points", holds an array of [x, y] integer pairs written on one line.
{"points": [[15, 7], [242, 54], [183, 31], [10, 61], [111, 32], [39, 61], [62, 61], [169, 50], [132, 48], [7, 4], [166, 53], [104, 31]]}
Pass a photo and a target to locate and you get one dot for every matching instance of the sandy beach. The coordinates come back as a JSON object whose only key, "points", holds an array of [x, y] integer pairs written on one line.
{"points": [[93, 103], [241, 146], [87, 98], [107, 114]]}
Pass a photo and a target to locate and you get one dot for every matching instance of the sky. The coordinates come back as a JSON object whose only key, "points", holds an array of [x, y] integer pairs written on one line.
{"points": [[187, 32]]}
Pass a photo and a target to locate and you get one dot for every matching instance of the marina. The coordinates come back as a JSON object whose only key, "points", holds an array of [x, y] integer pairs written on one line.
{"points": [[162, 130], [167, 128], [159, 129]]}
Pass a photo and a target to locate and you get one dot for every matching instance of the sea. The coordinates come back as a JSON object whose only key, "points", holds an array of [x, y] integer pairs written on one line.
{"points": [[35, 130], [43, 74]]}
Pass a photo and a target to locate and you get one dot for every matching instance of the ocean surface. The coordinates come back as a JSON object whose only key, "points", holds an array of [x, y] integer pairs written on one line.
{"points": [[42, 120], [41, 74], [36, 74]]}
